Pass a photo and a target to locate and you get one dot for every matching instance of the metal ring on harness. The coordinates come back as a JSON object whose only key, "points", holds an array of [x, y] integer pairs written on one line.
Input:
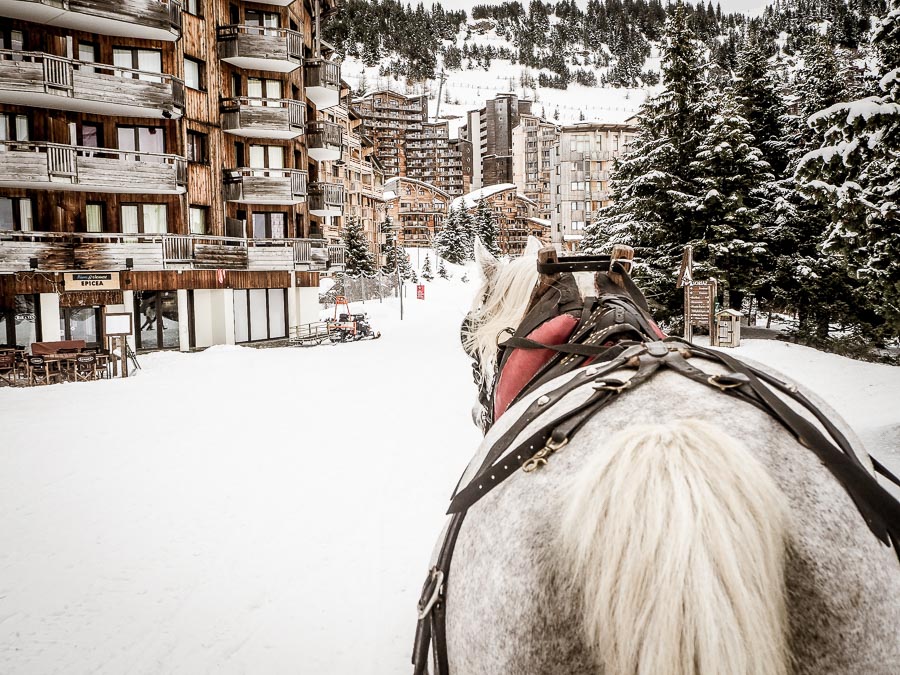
{"points": [[437, 577]]}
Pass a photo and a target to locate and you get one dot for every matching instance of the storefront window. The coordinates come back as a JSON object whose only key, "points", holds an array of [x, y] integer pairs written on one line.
{"points": [[260, 314], [80, 323], [156, 313], [23, 321]]}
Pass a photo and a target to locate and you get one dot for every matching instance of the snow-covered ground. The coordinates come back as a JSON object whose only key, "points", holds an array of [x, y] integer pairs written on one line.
{"points": [[267, 511]]}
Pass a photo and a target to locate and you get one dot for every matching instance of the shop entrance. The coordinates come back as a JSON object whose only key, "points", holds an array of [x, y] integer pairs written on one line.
{"points": [[156, 318]]}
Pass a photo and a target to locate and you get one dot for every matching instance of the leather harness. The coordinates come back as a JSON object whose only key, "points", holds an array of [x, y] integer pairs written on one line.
{"points": [[615, 332]]}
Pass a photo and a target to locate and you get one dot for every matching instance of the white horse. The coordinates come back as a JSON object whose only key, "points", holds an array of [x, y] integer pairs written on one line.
{"points": [[680, 532]]}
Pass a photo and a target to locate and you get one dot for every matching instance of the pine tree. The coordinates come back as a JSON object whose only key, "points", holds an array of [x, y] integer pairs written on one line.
{"points": [[442, 269], [359, 259], [393, 254], [856, 175], [731, 178], [485, 227], [426, 269], [454, 241], [761, 103], [654, 205]]}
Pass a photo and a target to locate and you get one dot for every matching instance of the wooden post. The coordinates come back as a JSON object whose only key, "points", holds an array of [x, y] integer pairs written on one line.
{"points": [[624, 255], [545, 281], [688, 327]]}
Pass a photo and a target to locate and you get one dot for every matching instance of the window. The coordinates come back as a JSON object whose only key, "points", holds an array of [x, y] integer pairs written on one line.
{"points": [[577, 185], [194, 74], [198, 217], [269, 225], [577, 206], [194, 7], [258, 88], [142, 139], [145, 60], [87, 53], [12, 39], [266, 157], [577, 225], [16, 214], [91, 135], [254, 17], [13, 127], [94, 217], [144, 218], [197, 147]]}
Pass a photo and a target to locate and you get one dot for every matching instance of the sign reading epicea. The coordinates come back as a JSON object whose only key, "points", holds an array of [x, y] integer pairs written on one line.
{"points": [[91, 281]]}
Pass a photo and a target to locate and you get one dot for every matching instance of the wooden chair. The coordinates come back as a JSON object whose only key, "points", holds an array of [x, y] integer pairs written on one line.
{"points": [[86, 368], [39, 371], [8, 369]]}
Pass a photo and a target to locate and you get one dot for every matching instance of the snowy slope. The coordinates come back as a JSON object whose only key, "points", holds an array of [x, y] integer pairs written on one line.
{"points": [[264, 511], [468, 89]]}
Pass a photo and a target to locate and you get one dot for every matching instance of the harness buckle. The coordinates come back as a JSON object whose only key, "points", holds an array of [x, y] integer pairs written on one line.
{"points": [[615, 386], [728, 381], [539, 458], [437, 582]]}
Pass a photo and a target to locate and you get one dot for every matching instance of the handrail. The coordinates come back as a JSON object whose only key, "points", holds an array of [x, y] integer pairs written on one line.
{"points": [[320, 133], [83, 151], [293, 39], [331, 193], [178, 247], [296, 110], [320, 73], [89, 66]]}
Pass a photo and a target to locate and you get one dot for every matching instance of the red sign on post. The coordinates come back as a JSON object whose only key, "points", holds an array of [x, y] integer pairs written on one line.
{"points": [[420, 292]]}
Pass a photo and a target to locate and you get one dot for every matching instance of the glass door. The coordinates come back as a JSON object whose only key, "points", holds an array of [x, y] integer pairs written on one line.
{"points": [[156, 313]]}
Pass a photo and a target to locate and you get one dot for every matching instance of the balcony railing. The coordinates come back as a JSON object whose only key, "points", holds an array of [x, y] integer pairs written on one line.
{"points": [[323, 83], [324, 141], [145, 19], [54, 166], [110, 251], [44, 81], [326, 199], [279, 118], [259, 48], [265, 186]]}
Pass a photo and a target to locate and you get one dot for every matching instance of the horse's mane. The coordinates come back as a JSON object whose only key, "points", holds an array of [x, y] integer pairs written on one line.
{"points": [[500, 303]]}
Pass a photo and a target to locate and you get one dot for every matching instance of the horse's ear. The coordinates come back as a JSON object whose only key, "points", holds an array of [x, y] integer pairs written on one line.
{"points": [[485, 259], [533, 246]]}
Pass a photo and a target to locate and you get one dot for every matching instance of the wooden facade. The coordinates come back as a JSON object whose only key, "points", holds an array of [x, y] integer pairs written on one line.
{"points": [[166, 145]]}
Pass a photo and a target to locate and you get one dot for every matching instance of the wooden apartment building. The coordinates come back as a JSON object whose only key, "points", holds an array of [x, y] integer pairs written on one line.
{"points": [[175, 147]]}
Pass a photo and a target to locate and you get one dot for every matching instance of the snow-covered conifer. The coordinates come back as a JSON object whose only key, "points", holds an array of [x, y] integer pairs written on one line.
{"points": [[426, 269], [485, 227], [359, 259]]}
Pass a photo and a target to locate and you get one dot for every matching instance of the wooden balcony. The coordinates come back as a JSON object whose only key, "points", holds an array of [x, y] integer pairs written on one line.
{"points": [[324, 141], [256, 48], [144, 19], [44, 81], [54, 251], [278, 118], [53, 166], [265, 186], [326, 199], [323, 83]]}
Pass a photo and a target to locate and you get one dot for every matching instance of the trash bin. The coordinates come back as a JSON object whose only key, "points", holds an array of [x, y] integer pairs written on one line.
{"points": [[728, 324]]}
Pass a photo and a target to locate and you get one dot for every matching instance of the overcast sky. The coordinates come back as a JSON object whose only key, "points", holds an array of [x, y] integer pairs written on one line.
{"points": [[752, 6]]}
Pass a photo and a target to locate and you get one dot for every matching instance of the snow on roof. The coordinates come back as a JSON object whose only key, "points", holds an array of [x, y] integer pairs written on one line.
{"points": [[389, 195], [471, 200], [390, 183], [543, 222]]}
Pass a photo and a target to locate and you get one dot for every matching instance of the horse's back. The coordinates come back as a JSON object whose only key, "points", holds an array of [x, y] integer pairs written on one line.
{"points": [[512, 607]]}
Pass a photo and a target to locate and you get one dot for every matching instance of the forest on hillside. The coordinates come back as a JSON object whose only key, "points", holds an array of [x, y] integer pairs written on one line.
{"points": [[565, 42]]}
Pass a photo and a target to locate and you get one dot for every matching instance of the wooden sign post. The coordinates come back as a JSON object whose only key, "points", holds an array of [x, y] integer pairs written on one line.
{"points": [[700, 308]]}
